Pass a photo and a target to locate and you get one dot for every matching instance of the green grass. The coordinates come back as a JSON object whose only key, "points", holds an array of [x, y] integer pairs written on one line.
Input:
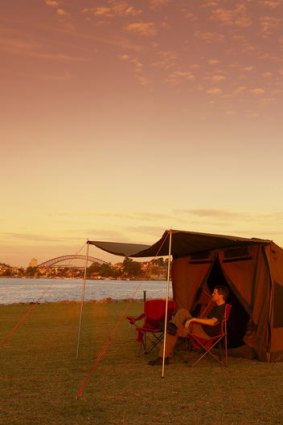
{"points": [[40, 376]]}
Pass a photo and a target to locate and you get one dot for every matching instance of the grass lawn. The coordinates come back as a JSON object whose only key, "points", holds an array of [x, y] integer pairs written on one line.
{"points": [[41, 377]]}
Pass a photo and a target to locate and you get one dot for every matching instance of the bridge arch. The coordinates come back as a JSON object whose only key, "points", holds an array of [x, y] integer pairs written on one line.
{"points": [[66, 261]]}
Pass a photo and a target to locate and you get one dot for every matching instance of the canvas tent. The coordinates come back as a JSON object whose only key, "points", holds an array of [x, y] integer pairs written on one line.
{"points": [[251, 268]]}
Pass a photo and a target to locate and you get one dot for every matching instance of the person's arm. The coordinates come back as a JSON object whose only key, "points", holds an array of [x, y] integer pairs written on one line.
{"points": [[205, 321]]}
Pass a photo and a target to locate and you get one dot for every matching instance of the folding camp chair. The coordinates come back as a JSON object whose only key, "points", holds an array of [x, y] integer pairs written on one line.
{"points": [[150, 333], [206, 346]]}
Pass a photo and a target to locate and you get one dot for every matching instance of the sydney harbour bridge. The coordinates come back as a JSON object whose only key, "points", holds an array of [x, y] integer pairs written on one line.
{"points": [[77, 261]]}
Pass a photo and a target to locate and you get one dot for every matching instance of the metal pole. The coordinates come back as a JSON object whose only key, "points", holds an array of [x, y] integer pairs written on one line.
{"points": [[166, 303], [144, 301], [82, 301]]}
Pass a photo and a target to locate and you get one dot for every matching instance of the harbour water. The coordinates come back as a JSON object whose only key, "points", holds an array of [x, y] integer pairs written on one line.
{"points": [[56, 290]]}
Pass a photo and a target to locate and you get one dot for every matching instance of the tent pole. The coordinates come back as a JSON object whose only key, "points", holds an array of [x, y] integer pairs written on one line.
{"points": [[82, 301], [166, 303]]}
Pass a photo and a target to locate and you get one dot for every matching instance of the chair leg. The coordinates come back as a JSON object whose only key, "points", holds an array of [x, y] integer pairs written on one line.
{"points": [[148, 343], [156, 339], [223, 352], [226, 350], [208, 350], [190, 350], [141, 348]]}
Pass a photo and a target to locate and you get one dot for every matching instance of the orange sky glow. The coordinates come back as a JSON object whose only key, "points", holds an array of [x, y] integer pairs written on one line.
{"points": [[120, 119]]}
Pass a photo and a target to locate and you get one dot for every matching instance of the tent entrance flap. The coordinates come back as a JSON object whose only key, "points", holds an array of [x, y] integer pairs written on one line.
{"points": [[239, 318], [193, 284]]}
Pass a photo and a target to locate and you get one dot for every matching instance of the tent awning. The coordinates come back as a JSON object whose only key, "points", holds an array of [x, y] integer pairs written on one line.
{"points": [[183, 243], [122, 249]]}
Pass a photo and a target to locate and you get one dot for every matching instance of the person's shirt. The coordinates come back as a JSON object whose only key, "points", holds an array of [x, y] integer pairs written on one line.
{"points": [[218, 312]]}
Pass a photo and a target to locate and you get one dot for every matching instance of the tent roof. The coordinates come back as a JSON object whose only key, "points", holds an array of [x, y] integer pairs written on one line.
{"points": [[183, 243]]}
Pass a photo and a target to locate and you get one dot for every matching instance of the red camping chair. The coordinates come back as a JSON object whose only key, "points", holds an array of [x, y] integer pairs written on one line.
{"points": [[206, 345], [150, 333]]}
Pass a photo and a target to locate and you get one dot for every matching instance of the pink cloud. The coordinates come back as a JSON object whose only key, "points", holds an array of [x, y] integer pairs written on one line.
{"points": [[248, 68], [273, 4], [165, 60], [217, 214], [237, 16], [52, 3], [267, 74], [268, 24], [188, 14], [209, 37], [178, 77], [61, 12], [144, 81], [218, 78], [213, 62], [63, 77], [14, 45], [134, 61], [122, 9], [257, 91], [55, 5], [240, 90], [147, 29], [214, 91], [154, 4], [138, 69]]}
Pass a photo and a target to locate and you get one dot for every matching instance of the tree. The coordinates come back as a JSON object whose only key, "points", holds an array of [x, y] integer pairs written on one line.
{"points": [[31, 271], [95, 267], [106, 270], [7, 272], [131, 268]]}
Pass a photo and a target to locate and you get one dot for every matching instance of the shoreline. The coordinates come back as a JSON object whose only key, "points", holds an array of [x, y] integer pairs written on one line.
{"points": [[107, 300]]}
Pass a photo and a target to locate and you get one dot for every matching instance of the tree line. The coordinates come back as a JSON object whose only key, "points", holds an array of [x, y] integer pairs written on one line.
{"points": [[128, 269]]}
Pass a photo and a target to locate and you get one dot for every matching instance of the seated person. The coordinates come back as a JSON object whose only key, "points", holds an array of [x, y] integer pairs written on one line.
{"points": [[183, 324]]}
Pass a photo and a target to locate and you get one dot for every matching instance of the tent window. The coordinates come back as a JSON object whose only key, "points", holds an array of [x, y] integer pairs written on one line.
{"points": [[200, 261], [236, 254], [278, 301], [200, 258]]}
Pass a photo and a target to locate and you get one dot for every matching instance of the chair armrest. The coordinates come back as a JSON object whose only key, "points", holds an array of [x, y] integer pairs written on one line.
{"points": [[132, 319]]}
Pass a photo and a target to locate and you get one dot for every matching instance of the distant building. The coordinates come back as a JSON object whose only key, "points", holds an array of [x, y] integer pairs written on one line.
{"points": [[33, 262]]}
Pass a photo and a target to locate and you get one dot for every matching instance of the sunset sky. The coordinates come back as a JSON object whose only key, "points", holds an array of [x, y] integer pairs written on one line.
{"points": [[120, 119]]}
